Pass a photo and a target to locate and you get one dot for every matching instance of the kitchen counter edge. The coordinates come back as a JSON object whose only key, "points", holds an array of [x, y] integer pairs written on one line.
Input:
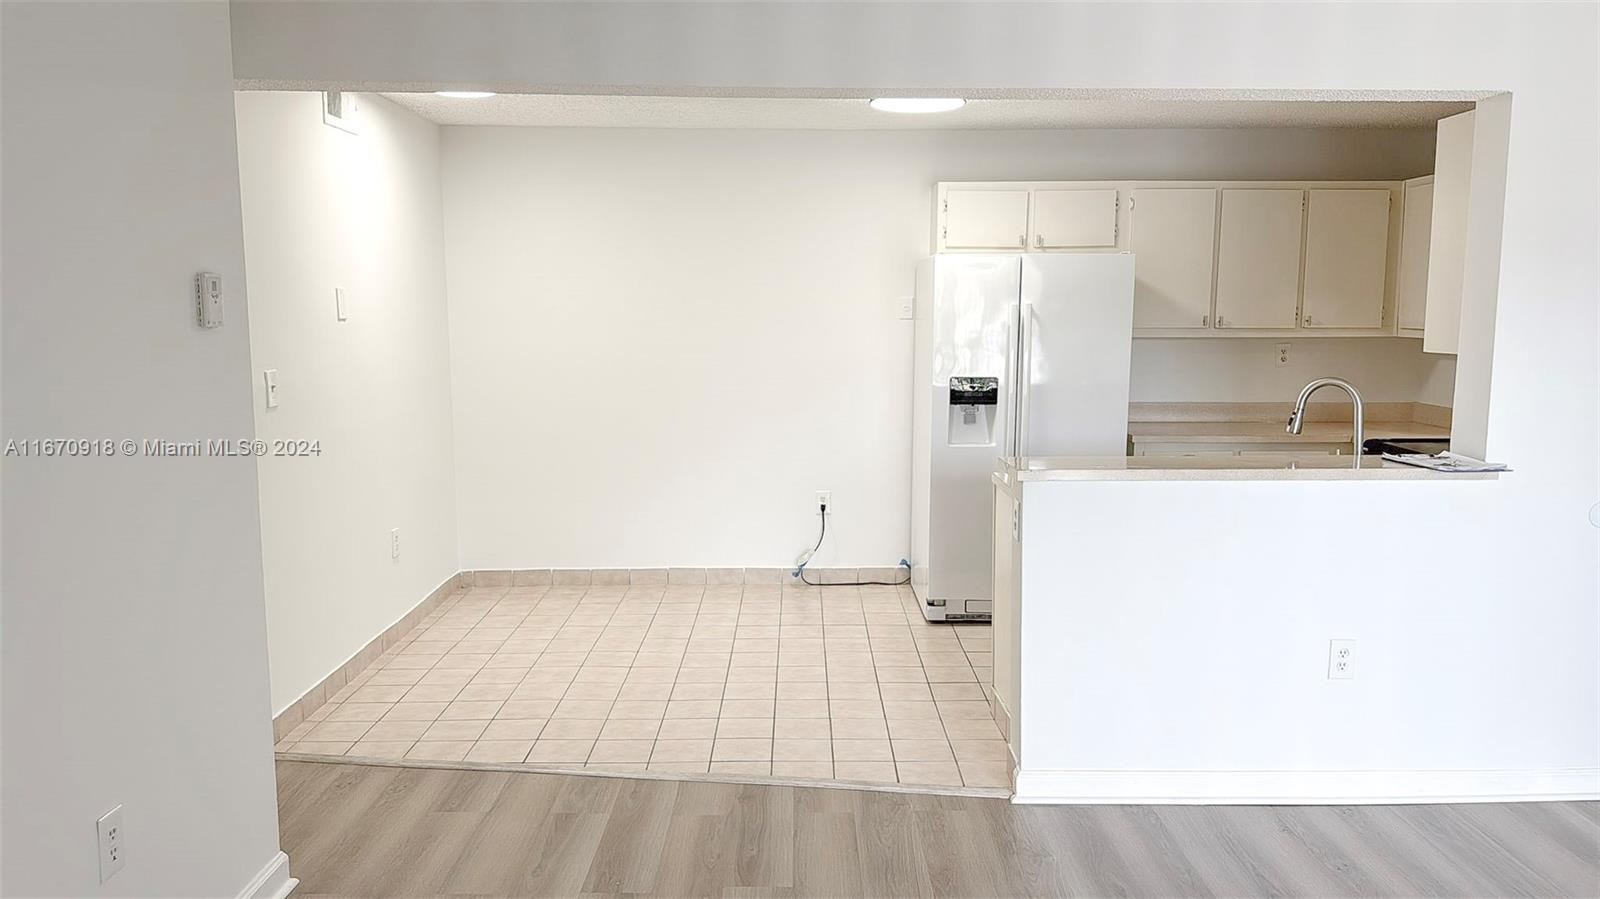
{"points": [[1255, 467]]}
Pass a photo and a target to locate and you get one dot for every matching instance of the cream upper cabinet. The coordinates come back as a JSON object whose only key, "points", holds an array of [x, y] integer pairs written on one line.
{"points": [[1411, 287], [1347, 258], [1447, 238], [1258, 258], [986, 219], [1235, 258], [1067, 219], [1172, 233]]}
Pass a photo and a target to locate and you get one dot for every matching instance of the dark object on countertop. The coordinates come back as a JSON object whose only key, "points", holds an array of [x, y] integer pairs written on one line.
{"points": [[1426, 445]]}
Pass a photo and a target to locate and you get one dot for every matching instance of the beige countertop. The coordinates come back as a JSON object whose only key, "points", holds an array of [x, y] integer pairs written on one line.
{"points": [[1273, 432], [1264, 422], [1253, 467]]}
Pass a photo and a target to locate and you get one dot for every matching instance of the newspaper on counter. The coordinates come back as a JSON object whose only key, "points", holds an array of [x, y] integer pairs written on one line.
{"points": [[1446, 461]]}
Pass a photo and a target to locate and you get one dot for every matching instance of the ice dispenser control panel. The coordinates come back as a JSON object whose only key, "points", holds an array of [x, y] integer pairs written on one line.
{"points": [[973, 401], [974, 391]]}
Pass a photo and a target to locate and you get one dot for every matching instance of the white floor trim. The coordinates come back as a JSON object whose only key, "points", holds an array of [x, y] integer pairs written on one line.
{"points": [[272, 882], [1088, 787]]}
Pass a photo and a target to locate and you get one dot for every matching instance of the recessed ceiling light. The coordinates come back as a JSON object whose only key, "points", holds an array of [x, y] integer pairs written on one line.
{"points": [[464, 95], [917, 104]]}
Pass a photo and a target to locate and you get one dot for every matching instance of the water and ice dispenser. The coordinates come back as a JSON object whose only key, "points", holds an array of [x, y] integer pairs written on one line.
{"points": [[973, 401]]}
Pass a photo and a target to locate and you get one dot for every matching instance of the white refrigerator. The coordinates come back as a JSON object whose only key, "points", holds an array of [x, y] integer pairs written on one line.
{"points": [[1015, 355]]}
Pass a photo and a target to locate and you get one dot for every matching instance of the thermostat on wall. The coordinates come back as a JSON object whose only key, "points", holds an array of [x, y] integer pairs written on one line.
{"points": [[208, 299], [339, 110]]}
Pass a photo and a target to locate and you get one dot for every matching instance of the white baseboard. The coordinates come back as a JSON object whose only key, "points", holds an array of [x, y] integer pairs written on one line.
{"points": [[1086, 787], [317, 694], [273, 881]]}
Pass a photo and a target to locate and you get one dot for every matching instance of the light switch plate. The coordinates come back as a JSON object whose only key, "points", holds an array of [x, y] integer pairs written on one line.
{"points": [[270, 377], [341, 303], [906, 308]]}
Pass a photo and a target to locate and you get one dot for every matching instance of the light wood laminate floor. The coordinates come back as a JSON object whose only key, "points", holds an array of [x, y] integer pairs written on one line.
{"points": [[353, 830]]}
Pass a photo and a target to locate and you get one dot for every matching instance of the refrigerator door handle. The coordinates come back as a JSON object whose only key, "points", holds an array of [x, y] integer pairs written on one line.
{"points": [[1023, 378], [1008, 443]]}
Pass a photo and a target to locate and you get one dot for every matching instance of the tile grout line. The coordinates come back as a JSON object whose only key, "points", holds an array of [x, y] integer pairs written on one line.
{"points": [[477, 622], [828, 673], [777, 673], [587, 653], [671, 688], [722, 694], [676, 671], [939, 713], [655, 609], [888, 734]]}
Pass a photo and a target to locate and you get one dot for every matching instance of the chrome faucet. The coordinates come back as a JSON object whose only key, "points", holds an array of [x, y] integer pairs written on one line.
{"points": [[1298, 416]]}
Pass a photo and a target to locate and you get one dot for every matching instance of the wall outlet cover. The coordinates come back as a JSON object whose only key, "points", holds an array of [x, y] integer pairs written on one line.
{"points": [[112, 857], [1341, 659]]}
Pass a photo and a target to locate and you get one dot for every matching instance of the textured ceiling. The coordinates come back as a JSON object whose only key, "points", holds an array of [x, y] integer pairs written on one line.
{"points": [[568, 110]]}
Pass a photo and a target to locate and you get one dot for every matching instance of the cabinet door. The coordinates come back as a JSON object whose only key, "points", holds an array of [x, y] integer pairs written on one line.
{"points": [[1063, 219], [986, 219], [1447, 240], [1258, 258], [1172, 233], [1347, 257], [1411, 290]]}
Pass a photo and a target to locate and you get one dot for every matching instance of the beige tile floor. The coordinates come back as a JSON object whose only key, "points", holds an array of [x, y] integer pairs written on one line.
{"points": [[830, 683]]}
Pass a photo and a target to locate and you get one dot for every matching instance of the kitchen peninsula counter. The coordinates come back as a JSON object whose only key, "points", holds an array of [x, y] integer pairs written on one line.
{"points": [[1135, 596]]}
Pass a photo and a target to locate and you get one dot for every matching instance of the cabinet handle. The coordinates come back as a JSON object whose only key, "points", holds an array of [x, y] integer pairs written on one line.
{"points": [[1205, 321], [1308, 319], [1038, 240], [1022, 241], [1221, 323]]}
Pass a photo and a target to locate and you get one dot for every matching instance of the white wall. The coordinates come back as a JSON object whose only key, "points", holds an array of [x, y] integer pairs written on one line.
{"points": [[324, 208], [665, 341], [1245, 370], [1206, 677], [134, 653]]}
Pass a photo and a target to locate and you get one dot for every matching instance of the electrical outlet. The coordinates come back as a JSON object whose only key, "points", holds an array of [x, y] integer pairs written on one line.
{"points": [[394, 543], [111, 855], [824, 498], [1282, 355], [1341, 659]]}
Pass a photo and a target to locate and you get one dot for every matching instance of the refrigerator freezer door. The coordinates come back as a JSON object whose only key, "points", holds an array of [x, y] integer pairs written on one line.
{"points": [[974, 300], [971, 339], [1077, 329]]}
